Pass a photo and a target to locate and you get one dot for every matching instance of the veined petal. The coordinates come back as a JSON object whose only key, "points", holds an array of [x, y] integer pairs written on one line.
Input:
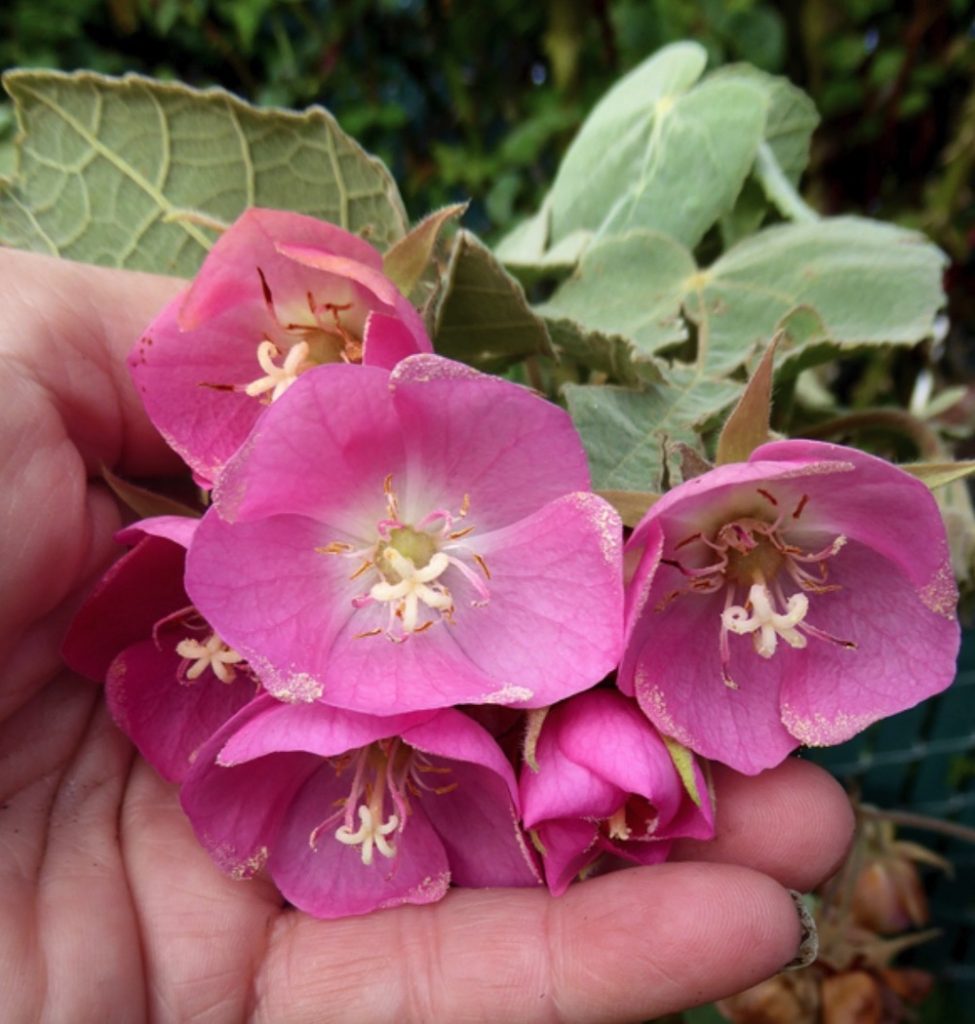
{"points": [[324, 453], [905, 653], [330, 880], [506, 448], [673, 665]]}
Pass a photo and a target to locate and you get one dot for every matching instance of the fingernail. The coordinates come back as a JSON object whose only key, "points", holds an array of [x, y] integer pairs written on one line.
{"points": [[809, 943]]}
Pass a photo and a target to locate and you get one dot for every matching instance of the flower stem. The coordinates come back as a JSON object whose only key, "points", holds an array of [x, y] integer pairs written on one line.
{"points": [[899, 421], [909, 819]]}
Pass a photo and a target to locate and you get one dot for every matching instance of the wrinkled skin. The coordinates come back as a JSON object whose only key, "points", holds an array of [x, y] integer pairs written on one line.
{"points": [[110, 911]]}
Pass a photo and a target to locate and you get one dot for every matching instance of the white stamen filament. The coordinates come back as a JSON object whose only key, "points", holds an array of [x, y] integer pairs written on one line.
{"points": [[370, 833], [765, 623], [277, 379], [213, 653]]}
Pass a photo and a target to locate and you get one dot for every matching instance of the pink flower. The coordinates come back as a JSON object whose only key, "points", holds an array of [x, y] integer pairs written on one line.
{"points": [[390, 543], [278, 294], [171, 682], [794, 598], [606, 788], [351, 813]]}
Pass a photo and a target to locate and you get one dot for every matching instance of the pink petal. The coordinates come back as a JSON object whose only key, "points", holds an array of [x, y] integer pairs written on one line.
{"points": [[168, 718], [373, 675], [389, 339], [570, 845], [274, 727], [478, 826], [728, 492], [607, 735], [553, 624], [453, 735], [883, 507], [324, 452], [673, 665], [143, 586], [251, 242], [330, 879], [905, 652], [179, 529], [237, 812], [192, 382], [504, 447], [563, 789], [343, 267], [272, 597]]}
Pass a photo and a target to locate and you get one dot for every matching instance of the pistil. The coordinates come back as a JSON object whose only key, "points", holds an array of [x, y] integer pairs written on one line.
{"points": [[212, 653]]}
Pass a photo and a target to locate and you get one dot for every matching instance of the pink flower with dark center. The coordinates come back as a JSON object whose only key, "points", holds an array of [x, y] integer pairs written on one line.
{"points": [[278, 294], [351, 812], [606, 790], [170, 680], [794, 598], [389, 543]]}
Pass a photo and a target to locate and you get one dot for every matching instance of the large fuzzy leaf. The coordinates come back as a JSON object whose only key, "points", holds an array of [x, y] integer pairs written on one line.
{"points": [[142, 174]]}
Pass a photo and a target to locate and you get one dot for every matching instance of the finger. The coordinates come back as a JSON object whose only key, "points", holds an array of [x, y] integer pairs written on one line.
{"points": [[627, 946], [68, 329], [203, 933], [793, 823], [62, 888]]}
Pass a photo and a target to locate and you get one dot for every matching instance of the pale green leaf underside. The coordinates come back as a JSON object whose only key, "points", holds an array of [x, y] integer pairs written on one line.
{"points": [[607, 154], [859, 282], [695, 161], [624, 429], [866, 281], [791, 119], [142, 174]]}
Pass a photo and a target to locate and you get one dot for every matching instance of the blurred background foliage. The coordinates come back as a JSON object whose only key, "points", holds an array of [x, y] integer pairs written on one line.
{"points": [[478, 101]]}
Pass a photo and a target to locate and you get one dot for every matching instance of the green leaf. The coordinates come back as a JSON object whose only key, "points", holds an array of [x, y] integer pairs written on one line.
{"points": [[791, 120], [701, 149], [145, 503], [782, 156], [864, 281], [482, 316], [606, 156], [624, 429], [142, 174], [534, 720], [684, 763], [748, 425], [630, 286], [938, 474], [408, 259], [868, 282], [611, 354]]}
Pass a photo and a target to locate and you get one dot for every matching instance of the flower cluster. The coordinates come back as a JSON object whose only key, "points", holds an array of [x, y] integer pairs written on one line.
{"points": [[386, 657]]}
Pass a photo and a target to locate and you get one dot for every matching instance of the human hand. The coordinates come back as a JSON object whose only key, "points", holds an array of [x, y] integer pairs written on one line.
{"points": [[109, 908]]}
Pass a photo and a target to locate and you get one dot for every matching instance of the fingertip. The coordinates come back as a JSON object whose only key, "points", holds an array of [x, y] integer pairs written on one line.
{"points": [[651, 941], [794, 823]]}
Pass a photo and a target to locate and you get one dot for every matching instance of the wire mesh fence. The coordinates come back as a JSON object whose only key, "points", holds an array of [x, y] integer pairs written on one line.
{"points": [[923, 762]]}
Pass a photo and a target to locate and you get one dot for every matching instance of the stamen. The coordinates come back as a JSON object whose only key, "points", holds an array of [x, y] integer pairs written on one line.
{"points": [[768, 497]]}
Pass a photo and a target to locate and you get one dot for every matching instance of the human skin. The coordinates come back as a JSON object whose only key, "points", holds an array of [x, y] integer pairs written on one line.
{"points": [[111, 911]]}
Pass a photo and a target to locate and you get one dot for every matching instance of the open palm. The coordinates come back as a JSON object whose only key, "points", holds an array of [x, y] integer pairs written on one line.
{"points": [[109, 910]]}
